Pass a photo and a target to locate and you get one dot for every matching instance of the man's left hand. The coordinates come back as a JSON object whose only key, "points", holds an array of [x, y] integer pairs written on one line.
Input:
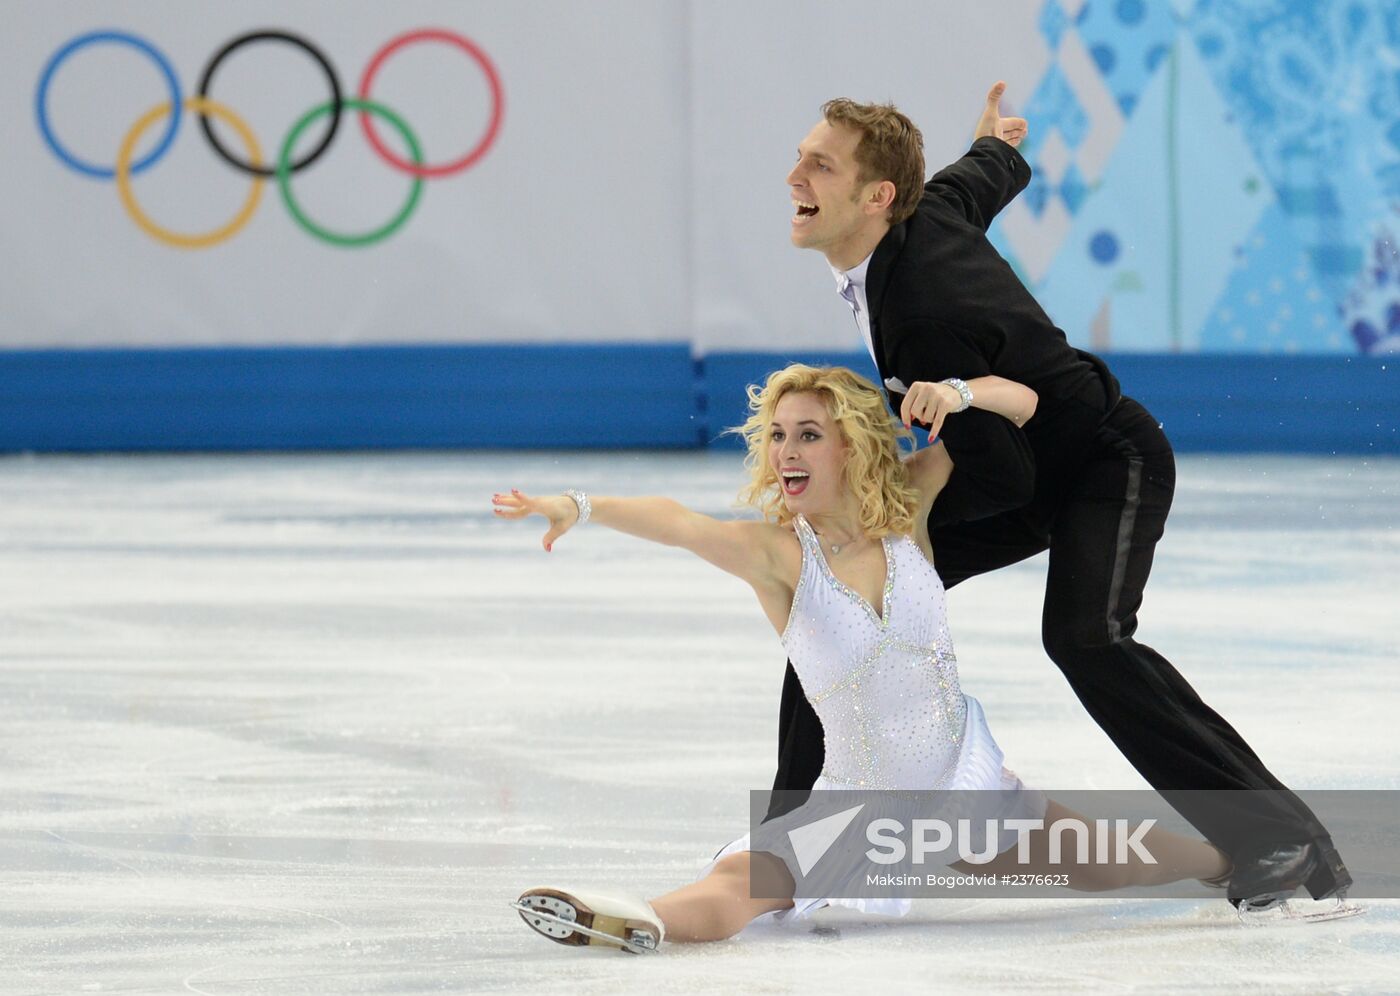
{"points": [[1009, 130]]}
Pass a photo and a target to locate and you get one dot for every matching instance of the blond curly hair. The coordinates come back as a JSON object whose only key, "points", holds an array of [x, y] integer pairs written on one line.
{"points": [[874, 470]]}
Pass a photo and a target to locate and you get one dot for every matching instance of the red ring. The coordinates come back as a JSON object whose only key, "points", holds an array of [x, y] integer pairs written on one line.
{"points": [[477, 55]]}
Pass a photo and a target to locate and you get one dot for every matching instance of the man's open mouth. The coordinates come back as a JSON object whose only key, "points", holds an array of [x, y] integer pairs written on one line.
{"points": [[804, 210]]}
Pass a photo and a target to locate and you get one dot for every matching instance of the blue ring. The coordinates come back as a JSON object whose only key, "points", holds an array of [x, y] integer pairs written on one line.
{"points": [[92, 38]]}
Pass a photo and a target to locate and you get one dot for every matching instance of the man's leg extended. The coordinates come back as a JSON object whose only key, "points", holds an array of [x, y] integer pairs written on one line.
{"points": [[1104, 535]]}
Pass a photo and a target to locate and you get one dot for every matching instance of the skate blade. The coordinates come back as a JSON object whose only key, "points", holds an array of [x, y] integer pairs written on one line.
{"points": [[1289, 912], [566, 930]]}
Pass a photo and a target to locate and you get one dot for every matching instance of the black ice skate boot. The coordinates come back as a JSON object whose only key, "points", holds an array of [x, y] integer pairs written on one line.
{"points": [[1331, 879], [1265, 876], [1264, 879]]}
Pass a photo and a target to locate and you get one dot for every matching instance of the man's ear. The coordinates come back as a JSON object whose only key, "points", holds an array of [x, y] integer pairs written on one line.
{"points": [[882, 196]]}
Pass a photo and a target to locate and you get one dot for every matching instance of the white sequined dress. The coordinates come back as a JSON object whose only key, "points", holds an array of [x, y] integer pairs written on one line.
{"points": [[885, 686]]}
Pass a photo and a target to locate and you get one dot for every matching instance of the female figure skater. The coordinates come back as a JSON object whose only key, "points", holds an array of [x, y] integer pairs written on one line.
{"points": [[842, 567]]}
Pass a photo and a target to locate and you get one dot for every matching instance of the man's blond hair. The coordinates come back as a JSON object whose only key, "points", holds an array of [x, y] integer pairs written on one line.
{"points": [[891, 148]]}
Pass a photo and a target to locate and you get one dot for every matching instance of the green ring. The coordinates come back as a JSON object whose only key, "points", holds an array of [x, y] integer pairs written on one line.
{"points": [[284, 174]]}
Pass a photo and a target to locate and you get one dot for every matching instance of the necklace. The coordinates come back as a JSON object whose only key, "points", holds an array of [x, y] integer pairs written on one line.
{"points": [[837, 547]]}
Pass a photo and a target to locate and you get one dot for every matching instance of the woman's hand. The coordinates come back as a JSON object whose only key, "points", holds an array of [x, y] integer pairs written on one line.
{"points": [[560, 510], [929, 404]]}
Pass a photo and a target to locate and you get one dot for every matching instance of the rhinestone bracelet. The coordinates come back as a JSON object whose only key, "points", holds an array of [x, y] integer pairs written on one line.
{"points": [[585, 507], [963, 390]]}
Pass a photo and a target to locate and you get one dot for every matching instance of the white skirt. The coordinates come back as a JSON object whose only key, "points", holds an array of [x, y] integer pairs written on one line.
{"points": [[979, 767]]}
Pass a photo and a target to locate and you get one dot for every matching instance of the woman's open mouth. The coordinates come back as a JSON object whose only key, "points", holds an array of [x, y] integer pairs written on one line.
{"points": [[795, 481]]}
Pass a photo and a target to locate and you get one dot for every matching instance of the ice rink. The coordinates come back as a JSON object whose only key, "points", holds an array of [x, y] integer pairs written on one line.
{"points": [[307, 724]]}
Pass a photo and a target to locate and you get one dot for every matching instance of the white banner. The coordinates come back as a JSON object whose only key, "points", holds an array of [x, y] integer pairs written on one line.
{"points": [[569, 225], [623, 175]]}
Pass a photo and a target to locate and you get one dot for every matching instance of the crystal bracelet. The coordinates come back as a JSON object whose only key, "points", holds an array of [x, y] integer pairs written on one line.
{"points": [[963, 390], [585, 507]]}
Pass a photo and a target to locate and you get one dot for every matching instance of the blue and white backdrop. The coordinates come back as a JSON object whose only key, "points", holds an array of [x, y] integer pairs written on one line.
{"points": [[599, 204]]}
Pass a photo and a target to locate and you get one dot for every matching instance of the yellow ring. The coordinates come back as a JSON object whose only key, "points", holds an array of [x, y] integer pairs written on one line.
{"points": [[198, 105]]}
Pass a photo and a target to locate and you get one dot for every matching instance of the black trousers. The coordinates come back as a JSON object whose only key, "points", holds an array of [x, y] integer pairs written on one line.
{"points": [[1101, 529]]}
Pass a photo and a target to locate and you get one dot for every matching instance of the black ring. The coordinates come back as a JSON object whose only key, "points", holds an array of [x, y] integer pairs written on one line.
{"points": [[309, 49]]}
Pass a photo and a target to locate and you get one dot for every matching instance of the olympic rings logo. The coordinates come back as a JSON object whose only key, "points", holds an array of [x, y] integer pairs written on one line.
{"points": [[252, 163]]}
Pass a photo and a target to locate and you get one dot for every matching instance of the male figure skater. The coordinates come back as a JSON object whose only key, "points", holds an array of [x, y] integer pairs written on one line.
{"points": [[937, 305]]}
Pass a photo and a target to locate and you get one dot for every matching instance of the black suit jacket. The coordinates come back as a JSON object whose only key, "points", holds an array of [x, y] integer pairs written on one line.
{"points": [[944, 303]]}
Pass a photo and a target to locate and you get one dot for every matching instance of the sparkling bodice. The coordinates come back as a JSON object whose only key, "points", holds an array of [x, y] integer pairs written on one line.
{"points": [[885, 688]]}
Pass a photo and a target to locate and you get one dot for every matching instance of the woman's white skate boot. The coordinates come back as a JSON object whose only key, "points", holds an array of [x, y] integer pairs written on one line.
{"points": [[595, 918]]}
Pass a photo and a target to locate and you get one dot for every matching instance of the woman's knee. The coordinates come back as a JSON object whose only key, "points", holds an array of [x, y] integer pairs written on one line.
{"points": [[754, 875], [734, 866]]}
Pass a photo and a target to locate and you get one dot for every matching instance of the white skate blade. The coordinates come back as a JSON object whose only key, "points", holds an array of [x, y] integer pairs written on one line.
{"points": [[557, 915], [1290, 911]]}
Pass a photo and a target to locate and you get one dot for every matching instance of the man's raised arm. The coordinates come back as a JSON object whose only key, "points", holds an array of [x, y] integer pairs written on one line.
{"points": [[992, 172]]}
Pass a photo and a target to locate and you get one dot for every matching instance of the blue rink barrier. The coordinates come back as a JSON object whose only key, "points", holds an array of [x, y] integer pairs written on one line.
{"points": [[1224, 403], [628, 395], [300, 398], [1234, 403]]}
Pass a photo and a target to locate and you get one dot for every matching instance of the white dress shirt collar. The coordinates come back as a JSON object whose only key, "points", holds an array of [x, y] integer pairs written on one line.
{"points": [[850, 284], [855, 275]]}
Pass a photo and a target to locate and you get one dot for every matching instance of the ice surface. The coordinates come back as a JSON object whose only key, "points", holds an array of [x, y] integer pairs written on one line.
{"points": [[306, 724]]}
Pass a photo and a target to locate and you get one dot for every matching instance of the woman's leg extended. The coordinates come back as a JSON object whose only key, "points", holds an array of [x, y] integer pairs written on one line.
{"points": [[1178, 858], [720, 904]]}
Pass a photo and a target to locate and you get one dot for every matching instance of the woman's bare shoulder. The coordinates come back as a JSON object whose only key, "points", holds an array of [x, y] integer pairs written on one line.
{"points": [[784, 549]]}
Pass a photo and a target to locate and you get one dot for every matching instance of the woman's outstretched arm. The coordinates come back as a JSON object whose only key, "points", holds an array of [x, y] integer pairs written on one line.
{"points": [[746, 549]]}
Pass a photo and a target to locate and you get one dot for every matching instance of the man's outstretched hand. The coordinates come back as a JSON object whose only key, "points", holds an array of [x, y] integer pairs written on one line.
{"points": [[1009, 130]]}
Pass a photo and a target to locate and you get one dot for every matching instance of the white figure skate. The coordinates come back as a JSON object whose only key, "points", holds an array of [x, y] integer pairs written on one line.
{"points": [[579, 918]]}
